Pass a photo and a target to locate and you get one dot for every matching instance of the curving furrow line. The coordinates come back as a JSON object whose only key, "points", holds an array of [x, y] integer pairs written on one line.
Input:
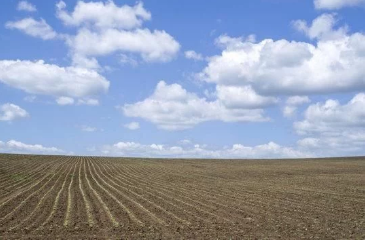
{"points": [[24, 190], [24, 201], [130, 214], [17, 169], [195, 205], [39, 204], [56, 201], [255, 203], [140, 197], [24, 170], [265, 206], [66, 221], [28, 180], [118, 182], [96, 194], [90, 218]]}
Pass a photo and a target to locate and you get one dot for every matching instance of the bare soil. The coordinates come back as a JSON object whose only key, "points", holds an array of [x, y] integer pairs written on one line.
{"points": [[62, 197]]}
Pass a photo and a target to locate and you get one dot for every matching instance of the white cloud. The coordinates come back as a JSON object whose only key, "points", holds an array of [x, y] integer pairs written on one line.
{"points": [[333, 64], [193, 55], [26, 6], [269, 150], [309, 143], [85, 62], [125, 59], [173, 108], [297, 100], [103, 15], [151, 45], [243, 97], [322, 28], [240, 62], [333, 127], [105, 28], [289, 111], [331, 116], [85, 128], [65, 101], [292, 104], [33, 28], [337, 4], [10, 112], [132, 126], [88, 101], [224, 40], [51, 80], [13, 146], [341, 144], [70, 101]]}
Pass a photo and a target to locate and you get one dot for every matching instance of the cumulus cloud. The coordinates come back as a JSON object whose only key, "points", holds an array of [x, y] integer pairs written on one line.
{"points": [[70, 101], [10, 112], [341, 144], [26, 6], [322, 28], [88, 101], [105, 28], [297, 100], [242, 97], [269, 150], [85, 62], [14, 146], [292, 104], [63, 83], [152, 45], [65, 101], [103, 15], [332, 116], [333, 64], [289, 111], [193, 55], [337, 4], [333, 126], [34, 28], [132, 126], [171, 107]]}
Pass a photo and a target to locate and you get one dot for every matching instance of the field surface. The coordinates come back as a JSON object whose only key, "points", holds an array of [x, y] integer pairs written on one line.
{"points": [[118, 198]]}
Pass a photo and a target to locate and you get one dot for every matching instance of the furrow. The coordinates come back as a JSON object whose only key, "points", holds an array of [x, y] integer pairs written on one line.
{"points": [[151, 194], [56, 201], [90, 218], [24, 187], [170, 214], [96, 194], [140, 206], [69, 198], [39, 204], [24, 201], [167, 194]]}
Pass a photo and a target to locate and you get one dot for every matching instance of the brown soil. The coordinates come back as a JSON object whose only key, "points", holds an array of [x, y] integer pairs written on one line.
{"points": [[123, 198]]}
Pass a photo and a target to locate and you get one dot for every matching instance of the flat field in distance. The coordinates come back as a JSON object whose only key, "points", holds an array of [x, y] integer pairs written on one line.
{"points": [[117, 198]]}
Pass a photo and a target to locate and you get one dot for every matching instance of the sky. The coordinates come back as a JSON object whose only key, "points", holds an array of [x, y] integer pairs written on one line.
{"points": [[184, 79]]}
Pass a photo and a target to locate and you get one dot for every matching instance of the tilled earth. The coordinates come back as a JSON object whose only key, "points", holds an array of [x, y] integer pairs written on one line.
{"points": [[63, 197]]}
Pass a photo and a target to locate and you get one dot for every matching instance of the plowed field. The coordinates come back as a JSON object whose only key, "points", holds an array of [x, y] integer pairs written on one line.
{"points": [[117, 198]]}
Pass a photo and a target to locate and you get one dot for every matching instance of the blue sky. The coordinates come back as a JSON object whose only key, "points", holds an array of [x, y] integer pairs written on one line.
{"points": [[228, 79]]}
